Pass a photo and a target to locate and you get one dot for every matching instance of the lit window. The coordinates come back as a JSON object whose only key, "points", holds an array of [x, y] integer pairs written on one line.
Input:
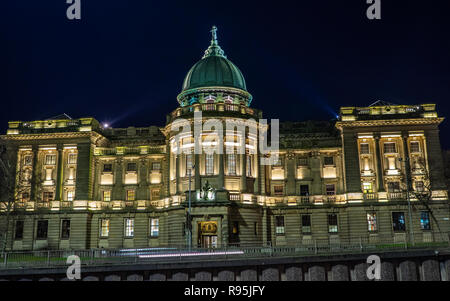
{"points": [[209, 158], [278, 189], [154, 227], [72, 159], [279, 224], [107, 167], [367, 188], [328, 161], [231, 164], [365, 148], [415, 147], [156, 166], [131, 195], [372, 221], [42, 229], [28, 160], [129, 227], [50, 159], [330, 189], [332, 223], [425, 220], [104, 227], [390, 148], [249, 165], [48, 196], [65, 229], [106, 195], [131, 167], [306, 223], [398, 221], [70, 194]]}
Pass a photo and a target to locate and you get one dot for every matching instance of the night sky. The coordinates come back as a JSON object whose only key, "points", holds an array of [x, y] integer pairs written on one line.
{"points": [[124, 61]]}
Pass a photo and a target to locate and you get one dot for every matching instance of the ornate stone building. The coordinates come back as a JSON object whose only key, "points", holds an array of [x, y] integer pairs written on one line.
{"points": [[81, 185]]}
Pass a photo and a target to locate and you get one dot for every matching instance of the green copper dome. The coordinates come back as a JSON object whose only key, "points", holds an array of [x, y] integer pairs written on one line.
{"points": [[214, 69]]}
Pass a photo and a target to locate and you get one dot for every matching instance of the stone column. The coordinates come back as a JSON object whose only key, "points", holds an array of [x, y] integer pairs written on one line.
{"points": [[316, 187], [34, 175], [59, 174], [141, 193], [166, 169], [243, 172], [177, 168], [290, 168], [117, 193], [406, 157], [379, 163], [261, 176]]}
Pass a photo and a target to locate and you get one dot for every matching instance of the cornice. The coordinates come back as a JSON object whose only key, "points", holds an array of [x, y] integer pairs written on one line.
{"points": [[389, 122]]}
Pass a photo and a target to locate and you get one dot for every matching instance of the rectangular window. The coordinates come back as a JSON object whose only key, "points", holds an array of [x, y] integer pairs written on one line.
{"points": [[248, 167], [106, 196], [28, 160], [372, 221], [50, 159], [235, 228], [279, 225], [42, 229], [278, 189], [302, 161], [72, 159], [19, 230], [393, 186], [107, 167], [155, 194], [304, 190], [306, 223], [419, 186], [390, 148], [328, 161], [70, 194], [131, 194], [425, 220], [47, 196], [65, 229], [156, 166], [209, 158], [365, 148], [231, 162], [330, 189], [332, 223], [129, 227], [25, 197], [414, 147], [398, 221], [104, 227], [367, 188], [132, 167], [154, 227]]}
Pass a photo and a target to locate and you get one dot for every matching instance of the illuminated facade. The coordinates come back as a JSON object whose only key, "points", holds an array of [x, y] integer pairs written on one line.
{"points": [[80, 185]]}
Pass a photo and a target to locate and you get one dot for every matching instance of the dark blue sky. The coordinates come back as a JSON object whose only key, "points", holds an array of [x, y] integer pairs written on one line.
{"points": [[124, 61]]}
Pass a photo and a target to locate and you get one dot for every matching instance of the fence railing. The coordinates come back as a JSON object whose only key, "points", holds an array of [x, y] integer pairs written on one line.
{"points": [[306, 247]]}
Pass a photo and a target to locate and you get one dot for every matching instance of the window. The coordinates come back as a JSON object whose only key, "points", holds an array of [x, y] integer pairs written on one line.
{"points": [[155, 194], [188, 162], [42, 229], [425, 220], [50, 159], [106, 195], [414, 147], [398, 221], [107, 167], [72, 159], [209, 158], [330, 189], [235, 228], [328, 161], [131, 167], [306, 223], [248, 167], [104, 227], [332, 223], [278, 189], [156, 166], [279, 225], [154, 227], [25, 196], [70, 194], [372, 221], [65, 229], [367, 188], [419, 186], [255, 228], [28, 160], [302, 161], [365, 148], [389, 148], [231, 164], [47, 196], [19, 230], [304, 190], [131, 194], [129, 227], [393, 186]]}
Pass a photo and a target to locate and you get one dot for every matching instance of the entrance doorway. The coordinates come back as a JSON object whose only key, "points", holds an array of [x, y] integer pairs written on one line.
{"points": [[207, 234]]}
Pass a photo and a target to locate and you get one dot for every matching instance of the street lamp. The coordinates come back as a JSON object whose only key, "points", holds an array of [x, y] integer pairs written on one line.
{"points": [[411, 230]]}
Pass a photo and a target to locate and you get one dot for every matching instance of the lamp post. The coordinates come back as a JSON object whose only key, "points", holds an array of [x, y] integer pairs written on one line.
{"points": [[411, 230]]}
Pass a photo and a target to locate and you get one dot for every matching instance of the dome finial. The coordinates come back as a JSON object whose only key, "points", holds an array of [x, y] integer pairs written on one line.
{"points": [[214, 49]]}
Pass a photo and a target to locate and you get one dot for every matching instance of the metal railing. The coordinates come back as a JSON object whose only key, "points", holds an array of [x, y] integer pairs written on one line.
{"points": [[307, 247]]}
